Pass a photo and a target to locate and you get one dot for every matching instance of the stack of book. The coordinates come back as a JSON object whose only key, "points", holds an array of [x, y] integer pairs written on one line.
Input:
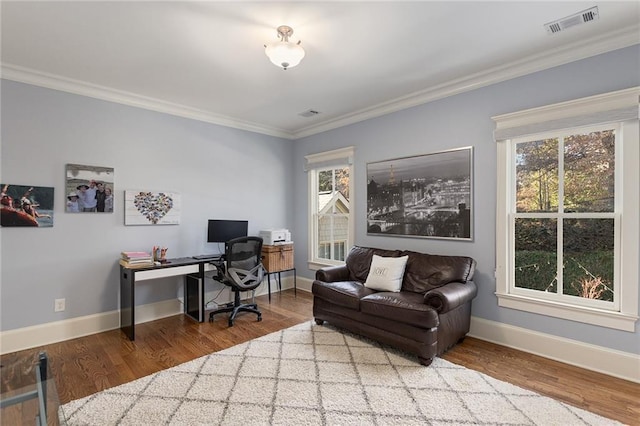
{"points": [[136, 259]]}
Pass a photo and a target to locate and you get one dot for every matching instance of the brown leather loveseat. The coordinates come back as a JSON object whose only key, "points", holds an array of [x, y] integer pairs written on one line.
{"points": [[429, 314]]}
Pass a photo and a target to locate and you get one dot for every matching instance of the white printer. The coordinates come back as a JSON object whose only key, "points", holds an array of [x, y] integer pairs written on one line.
{"points": [[273, 237]]}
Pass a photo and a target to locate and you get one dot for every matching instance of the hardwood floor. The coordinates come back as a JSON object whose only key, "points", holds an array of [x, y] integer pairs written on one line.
{"points": [[93, 363]]}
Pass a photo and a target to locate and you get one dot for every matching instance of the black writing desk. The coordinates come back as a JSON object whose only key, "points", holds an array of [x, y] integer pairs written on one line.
{"points": [[194, 290]]}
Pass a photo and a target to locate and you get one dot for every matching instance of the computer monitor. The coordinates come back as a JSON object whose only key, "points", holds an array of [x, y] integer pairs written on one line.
{"points": [[221, 231]]}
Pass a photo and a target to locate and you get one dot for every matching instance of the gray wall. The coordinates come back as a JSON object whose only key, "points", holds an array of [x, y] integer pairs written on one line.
{"points": [[42, 130], [219, 172], [465, 120]]}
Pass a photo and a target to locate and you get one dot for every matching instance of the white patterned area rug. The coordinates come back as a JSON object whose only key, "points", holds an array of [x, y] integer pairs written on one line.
{"points": [[317, 375]]}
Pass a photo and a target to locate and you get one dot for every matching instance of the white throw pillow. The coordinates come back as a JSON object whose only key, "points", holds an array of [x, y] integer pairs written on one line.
{"points": [[385, 273]]}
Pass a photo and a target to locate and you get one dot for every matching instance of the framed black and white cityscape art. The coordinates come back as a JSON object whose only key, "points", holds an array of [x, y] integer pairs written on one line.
{"points": [[428, 196], [89, 189], [26, 205], [151, 208]]}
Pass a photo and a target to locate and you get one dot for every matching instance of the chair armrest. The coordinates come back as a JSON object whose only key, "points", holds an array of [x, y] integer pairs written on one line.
{"points": [[221, 270], [448, 297], [333, 273]]}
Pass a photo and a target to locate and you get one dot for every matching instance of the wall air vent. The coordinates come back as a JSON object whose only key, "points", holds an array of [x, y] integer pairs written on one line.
{"points": [[309, 113], [573, 20]]}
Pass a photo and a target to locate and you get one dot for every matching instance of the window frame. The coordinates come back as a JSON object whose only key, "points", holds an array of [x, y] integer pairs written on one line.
{"points": [[315, 163], [615, 109]]}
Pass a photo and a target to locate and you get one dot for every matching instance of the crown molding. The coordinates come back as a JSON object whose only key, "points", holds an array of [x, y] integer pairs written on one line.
{"points": [[64, 84], [582, 49]]}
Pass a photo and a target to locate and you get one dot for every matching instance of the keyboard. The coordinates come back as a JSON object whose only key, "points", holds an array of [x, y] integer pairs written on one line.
{"points": [[208, 257]]}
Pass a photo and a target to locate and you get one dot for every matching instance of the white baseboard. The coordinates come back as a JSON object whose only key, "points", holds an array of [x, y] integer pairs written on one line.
{"points": [[59, 331], [304, 284], [618, 364], [154, 311], [623, 365]]}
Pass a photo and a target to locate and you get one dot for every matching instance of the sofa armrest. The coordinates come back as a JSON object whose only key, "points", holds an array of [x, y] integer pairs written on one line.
{"points": [[333, 273], [448, 297]]}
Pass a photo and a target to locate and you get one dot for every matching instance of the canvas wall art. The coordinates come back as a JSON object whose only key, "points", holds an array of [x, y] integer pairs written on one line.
{"points": [[89, 189], [26, 205], [151, 208], [427, 196]]}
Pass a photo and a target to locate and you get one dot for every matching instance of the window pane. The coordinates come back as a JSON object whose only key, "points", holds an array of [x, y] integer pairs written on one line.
{"points": [[342, 182], [588, 258], [589, 165], [537, 176], [325, 236], [536, 254], [323, 251], [325, 181], [338, 251], [340, 231]]}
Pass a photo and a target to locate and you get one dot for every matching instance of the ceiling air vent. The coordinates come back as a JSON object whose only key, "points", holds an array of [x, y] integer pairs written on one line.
{"points": [[309, 113], [573, 20]]}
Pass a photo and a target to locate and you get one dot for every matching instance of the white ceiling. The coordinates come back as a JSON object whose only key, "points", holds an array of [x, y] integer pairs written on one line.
{"points": [[206, 60]]}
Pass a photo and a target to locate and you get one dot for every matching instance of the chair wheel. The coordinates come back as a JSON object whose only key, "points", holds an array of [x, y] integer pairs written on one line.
{"points": [[259, 318], [230, 323]]}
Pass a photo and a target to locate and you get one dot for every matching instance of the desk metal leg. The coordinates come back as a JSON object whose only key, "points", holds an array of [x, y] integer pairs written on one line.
{"points": [[269, 285], [279, 279], [127, 302]]}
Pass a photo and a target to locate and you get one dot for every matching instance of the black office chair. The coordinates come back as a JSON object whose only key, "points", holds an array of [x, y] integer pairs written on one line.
{"points": [[243, 272]]}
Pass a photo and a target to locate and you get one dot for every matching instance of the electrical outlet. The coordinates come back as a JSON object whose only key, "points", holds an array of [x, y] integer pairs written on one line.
{"points": [[59, 305]]}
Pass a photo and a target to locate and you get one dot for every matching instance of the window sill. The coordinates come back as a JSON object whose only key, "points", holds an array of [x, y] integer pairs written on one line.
{"points": [[616, 320], [314, 265]]}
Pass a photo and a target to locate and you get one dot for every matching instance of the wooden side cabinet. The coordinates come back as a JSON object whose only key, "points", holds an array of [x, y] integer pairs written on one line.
{"points": [[277, 259]]}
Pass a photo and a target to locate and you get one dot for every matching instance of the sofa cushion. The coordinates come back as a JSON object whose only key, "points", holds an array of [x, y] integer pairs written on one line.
{"points": [[342, 293], [385, 273], [359, 260], [369, 325], [425, 272], [405, 307]]}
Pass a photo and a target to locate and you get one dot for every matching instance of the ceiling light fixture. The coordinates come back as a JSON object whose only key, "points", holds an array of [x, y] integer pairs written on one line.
{"points": [[284, 53]]}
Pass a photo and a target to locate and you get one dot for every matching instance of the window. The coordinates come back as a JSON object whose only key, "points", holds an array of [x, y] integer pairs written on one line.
{"points": [[564, 217], [330, 198], [567, 241]]}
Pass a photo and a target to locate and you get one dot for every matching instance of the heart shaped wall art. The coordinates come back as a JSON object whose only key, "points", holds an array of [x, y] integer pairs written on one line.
{"points": [[151, 208]]}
